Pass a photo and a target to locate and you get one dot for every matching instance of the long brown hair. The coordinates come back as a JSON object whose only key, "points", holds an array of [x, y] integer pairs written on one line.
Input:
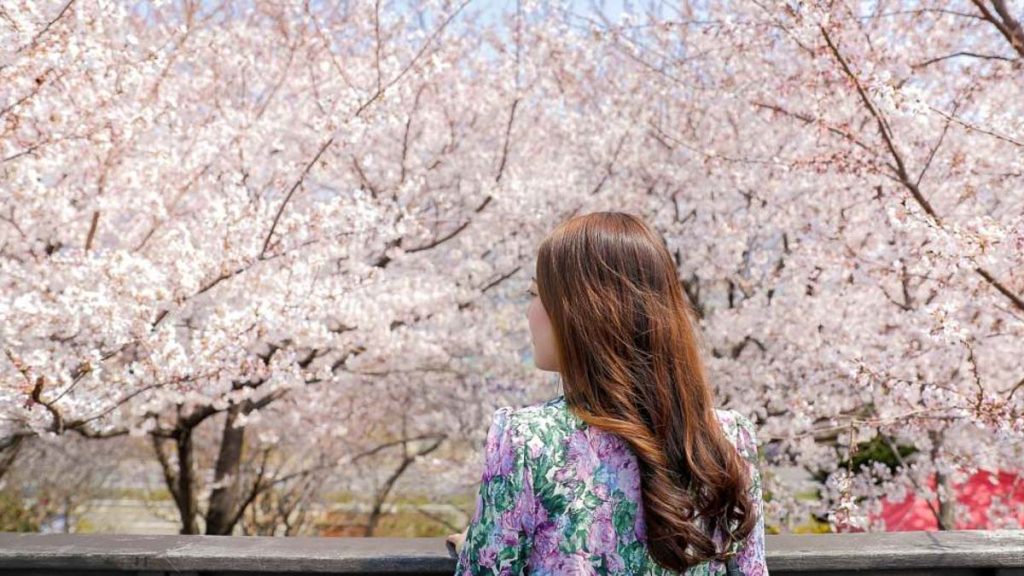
{"points": [[630, 361]]}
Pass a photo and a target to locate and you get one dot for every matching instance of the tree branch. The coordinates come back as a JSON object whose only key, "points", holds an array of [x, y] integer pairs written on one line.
{"points": [[959, 55], [41, 33], [359, 112], [901, 171], [508, 137], [92, 230], [1009, 27]]}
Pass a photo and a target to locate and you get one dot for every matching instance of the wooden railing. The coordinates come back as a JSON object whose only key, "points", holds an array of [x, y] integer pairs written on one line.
{"points": [[992, 553]]}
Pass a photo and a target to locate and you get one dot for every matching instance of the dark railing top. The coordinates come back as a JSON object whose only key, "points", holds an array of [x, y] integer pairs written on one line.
{"points": [[907, 552]]}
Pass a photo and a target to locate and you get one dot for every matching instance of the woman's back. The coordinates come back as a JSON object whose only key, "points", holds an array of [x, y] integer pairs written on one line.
{"points": [[561, 497]]}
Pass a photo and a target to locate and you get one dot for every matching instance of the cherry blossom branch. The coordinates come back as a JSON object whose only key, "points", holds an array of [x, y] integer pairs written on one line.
{"points": [[951, 117], [487, 200], [265, 482], [901, 171], [379, 448], [961, 54], [922, 11], [359, 112], [913, 480], [608, 169], [377, 47], [1013, 390], [37, 86], [1017, 301], [174, 202], [1009, 27], [921, 413], [935, 148], [501, 278], [808, 119], [883, 128], [92, 230], [508, 138], [406, 461], [39, 35]]}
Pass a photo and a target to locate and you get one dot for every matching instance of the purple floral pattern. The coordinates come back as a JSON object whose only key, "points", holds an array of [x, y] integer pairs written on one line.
{"points": [[559, 497]]}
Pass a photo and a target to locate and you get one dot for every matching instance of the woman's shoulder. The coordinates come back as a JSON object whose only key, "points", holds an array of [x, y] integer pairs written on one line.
{"points": [[552, 418], [546, 417], [545, 409], [739, 430], [555, 410]]}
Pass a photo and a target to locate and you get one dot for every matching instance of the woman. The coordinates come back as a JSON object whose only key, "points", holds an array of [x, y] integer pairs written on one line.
{"points": [[631, 470]]}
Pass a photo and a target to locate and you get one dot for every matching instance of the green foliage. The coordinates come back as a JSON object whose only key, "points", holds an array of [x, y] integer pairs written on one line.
{"points": [[14, 515], [410, 524], [140, 494], [341, 497], [812, 526], [874, 450]]}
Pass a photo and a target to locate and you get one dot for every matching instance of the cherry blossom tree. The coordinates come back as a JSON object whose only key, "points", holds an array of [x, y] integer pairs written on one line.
{"points": [[275, 241], [177, 246]]}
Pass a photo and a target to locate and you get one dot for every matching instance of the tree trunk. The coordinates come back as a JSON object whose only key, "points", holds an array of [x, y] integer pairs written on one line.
{"points": [[187, 499], [382, 496], [9, 453], [68, 509], [947, 506], [944, 491], [221, 515]]}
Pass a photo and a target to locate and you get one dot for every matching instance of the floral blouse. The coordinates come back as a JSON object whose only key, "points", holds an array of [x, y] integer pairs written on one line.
{"points": [[559, 497]]}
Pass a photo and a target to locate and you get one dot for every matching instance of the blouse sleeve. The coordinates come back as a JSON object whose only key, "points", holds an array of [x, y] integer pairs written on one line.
{"points": [[501, 532], [751, 556]]}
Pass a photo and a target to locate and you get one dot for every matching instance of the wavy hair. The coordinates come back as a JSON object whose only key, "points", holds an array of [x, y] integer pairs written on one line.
{"points": [[630, 361]]}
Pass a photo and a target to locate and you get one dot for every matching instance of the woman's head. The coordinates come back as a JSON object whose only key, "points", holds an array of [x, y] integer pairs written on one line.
{"points": [[612, 318]]}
